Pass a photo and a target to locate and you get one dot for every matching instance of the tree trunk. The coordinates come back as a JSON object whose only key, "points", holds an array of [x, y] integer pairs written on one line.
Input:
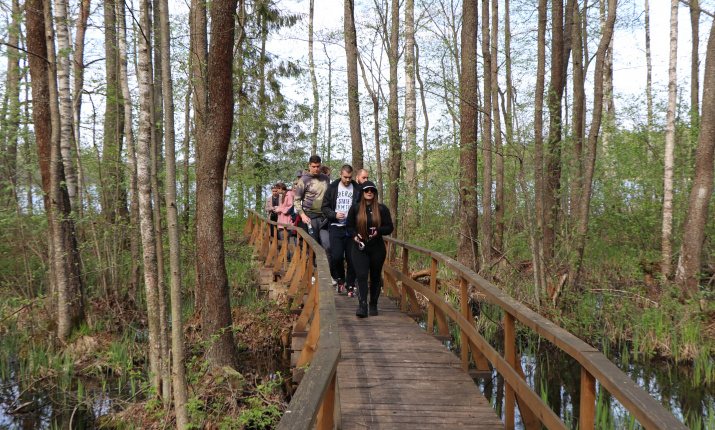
{"points": [[590, 164], [353, 94], [68, 291], [487, 231], [499, 205], [65, 100], [11, 125], [578, 108], [330, 102], [199, 57], [689, 263], [313, 80], [59, 258], [552, 184], [694, 70], [134, 234], [39, 73], [423, 99], [669, 156], [393, 114], [156, 143], [539, 193], [172, 218], [78, 60], [411, 191], [113, 193], [376, 118], [468, 251], [144, 156], [211, 150], [648, 85]]}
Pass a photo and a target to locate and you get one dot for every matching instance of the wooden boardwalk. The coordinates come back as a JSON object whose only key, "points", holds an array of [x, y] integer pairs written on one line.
{"points": [[393, 375]]}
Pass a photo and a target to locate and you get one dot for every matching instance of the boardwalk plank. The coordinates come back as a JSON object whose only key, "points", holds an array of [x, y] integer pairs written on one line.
{"points": [[392, 374]]}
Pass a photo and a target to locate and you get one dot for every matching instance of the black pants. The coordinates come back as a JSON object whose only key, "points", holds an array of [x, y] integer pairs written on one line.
{"points": [[322, 237], [341, 250], [271, 227], [369, 261]]}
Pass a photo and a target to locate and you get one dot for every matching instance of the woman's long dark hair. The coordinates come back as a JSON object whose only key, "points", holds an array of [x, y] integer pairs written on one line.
{"points": [[362, 216]]}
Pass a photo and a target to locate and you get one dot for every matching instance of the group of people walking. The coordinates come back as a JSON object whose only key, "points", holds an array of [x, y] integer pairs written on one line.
{"points": [[345, 217]]}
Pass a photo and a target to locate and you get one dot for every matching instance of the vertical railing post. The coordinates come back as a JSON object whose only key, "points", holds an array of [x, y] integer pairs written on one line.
{"points": [[466, 313], [510, 357], [405, 270], [433, 287], [327, 408], [587, 416]]}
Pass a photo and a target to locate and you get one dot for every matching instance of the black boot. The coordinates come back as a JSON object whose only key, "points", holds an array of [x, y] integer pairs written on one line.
{"points": [[373, 309], [361, 310]]}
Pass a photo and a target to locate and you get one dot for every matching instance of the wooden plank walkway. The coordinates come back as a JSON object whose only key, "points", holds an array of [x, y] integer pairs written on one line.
{"points": [[392, 375]]}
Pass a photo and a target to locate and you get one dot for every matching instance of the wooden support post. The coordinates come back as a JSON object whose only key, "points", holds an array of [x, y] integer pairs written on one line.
{"points": [[293, 266], [258, 240], [249, 225], [265, 244], [310, 305], [298, 273], [405, 270], [587, 417], [327, 408], [273, 248], [466, 313], [441, 318], [306, 281], [433, 288], [510, 357], [311, 342]]}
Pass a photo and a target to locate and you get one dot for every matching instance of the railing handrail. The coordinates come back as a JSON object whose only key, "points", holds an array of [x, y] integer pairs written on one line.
{"points": [[316, 390], [648, 411]]}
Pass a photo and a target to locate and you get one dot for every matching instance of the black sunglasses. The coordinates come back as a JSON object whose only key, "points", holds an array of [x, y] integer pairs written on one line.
{"points": [[369, 190]]}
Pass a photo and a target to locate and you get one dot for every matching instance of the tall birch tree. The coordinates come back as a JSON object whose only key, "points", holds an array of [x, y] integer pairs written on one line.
{"points": [[669, 156], [172, 219], [146, 214]]}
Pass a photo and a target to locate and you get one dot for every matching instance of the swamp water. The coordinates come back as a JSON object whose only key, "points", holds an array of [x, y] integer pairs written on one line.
{"points": [[557, 377]]}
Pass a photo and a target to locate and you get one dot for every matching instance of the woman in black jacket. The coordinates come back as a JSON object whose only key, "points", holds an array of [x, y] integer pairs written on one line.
{"points": [[367, 222]]}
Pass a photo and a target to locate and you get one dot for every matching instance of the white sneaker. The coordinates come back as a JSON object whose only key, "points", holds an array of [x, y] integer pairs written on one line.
{"points": [[335, 282]]}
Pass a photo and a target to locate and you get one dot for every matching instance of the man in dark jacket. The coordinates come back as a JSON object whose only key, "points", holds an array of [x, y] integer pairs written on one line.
{"points": [[336, 203]]}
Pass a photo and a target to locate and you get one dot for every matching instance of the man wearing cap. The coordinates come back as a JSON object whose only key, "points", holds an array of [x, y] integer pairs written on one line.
{"points": [[336, 204], [308, 200]]}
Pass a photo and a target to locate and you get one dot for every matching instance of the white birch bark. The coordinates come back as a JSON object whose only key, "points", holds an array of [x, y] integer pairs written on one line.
{"points": [[669, 156], [144, 149], [59, 254], [63, 82], [172, 218]]}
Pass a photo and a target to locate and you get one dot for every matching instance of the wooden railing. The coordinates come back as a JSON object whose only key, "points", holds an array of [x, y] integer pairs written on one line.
{"points": [[311, 294], [594, 365]]}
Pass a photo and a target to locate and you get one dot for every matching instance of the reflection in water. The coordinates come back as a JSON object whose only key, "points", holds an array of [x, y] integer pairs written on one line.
{"points": [[557, 377]]}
